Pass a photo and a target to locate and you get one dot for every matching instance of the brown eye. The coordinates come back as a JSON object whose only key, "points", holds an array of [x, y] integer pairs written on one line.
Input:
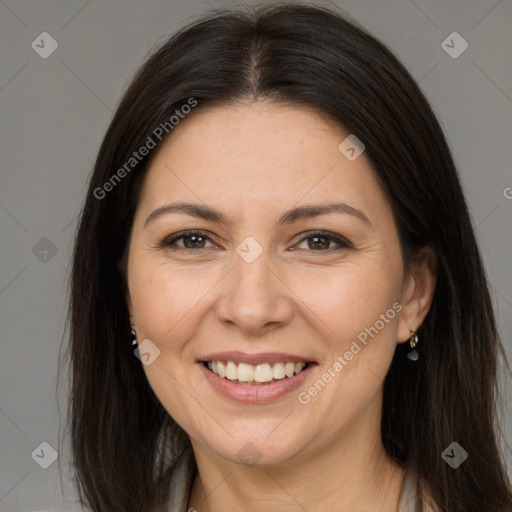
{"points": [[321, 242], [192, 240]]}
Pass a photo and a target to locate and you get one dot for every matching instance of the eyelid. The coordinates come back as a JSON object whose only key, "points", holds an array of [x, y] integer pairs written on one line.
{"points": [[341, 241], [338, 239], [172, 239]]}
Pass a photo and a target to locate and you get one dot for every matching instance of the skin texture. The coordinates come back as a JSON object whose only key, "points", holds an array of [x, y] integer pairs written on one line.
{"points": [[253, 161]]}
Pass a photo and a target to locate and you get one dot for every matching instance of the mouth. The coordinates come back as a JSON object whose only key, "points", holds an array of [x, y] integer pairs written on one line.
{"points": [[255, 378], [260, 374]]}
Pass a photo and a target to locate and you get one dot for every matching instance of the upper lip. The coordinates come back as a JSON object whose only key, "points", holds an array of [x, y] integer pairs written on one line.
{"points": [[254, 359]]}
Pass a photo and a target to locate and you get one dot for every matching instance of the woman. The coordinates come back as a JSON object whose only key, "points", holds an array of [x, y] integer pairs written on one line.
{"points": [[276, 218]]}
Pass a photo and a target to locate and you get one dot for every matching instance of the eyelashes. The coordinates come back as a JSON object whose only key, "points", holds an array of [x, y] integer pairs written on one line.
{"points": [[171, 241], [196, 238]]}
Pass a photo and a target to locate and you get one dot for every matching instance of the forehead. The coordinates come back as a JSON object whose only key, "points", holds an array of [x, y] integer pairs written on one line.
{"points": [[258, 132], [259, 154]]}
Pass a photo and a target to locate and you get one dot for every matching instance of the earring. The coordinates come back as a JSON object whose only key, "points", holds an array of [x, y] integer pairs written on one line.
{"points": [[413, 341], [134, 337]]}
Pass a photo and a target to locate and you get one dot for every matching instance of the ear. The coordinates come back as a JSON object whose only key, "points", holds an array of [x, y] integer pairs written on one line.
{"points": [[417, 292]]}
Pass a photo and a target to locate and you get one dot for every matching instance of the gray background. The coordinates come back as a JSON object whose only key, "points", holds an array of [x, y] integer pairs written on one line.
{"points": [[54, 113]]}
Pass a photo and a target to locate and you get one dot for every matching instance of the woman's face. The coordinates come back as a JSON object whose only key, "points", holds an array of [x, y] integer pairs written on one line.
{"points": [[263, 286]]}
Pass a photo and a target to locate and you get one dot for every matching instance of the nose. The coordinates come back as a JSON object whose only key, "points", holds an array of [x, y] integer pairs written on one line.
{"points": [[255, 298]]}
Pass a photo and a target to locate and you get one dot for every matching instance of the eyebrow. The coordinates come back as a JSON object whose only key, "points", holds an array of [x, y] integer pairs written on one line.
{"points": [[295, 214]]}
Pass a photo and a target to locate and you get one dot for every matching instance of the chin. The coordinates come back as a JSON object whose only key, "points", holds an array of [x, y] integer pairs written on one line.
{"points": [[258, 449]]}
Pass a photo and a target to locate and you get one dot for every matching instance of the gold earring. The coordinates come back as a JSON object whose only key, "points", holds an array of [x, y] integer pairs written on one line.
{"points": [[413, 340]]}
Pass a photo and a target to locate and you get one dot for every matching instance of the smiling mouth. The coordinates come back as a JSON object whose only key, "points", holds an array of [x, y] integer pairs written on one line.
{"points": [[259, 374]]}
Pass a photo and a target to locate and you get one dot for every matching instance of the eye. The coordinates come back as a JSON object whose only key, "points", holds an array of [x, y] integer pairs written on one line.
{"points": [[321, 241], [196, 240], [191, 240]]}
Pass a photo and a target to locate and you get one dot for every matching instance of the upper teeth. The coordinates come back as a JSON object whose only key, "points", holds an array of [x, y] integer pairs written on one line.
{"points": [[259, 373]]}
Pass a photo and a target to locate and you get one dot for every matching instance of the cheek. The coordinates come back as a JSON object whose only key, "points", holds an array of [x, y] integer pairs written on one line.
{"points": [[361, 307], [166, 299], [348, 299]]}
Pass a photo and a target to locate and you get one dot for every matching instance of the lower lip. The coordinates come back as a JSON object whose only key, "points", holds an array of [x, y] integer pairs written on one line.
{"points": [[255, 393]]}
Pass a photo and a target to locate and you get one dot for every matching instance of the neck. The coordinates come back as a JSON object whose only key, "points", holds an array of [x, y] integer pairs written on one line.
{"points": [[350, 473]]}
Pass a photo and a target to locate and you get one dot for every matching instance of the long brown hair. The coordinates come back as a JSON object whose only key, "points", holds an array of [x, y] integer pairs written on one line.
{"points": [[314, 57]]}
